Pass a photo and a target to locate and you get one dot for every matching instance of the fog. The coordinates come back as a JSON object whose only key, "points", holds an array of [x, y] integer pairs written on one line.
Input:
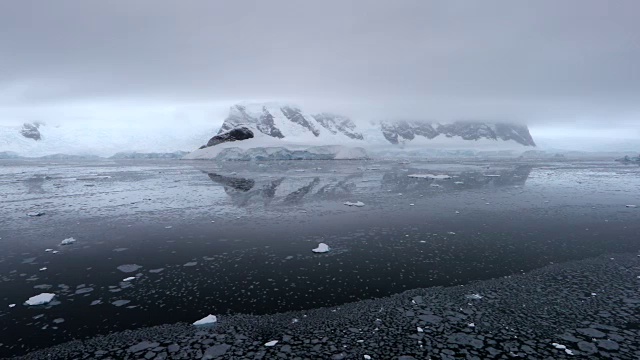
{"points": [[559, 67]]}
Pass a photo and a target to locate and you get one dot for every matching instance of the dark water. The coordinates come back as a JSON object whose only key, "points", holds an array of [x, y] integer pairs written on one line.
{"points": [[237, 237]]}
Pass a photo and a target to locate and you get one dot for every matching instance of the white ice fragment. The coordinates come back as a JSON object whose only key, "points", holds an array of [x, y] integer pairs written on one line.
{"points": [[55, 252], [12, 305], [457, 212], [271, 343], [631, 206], [129, 278], [367, 357], [357, 203], [429, 176], [593, 294], [48, 250], [322, 248], [168, 227], [471, 325], [68, 241], [40, 299], [459, 182], [559, 346], [474, 296], [209, 319], [451, 233], [420, 329], [43, 268], [569, 352], [492, 175], [411, 204]]}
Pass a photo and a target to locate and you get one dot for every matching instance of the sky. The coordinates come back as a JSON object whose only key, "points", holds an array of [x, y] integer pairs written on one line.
{"points": [[565, 68]]}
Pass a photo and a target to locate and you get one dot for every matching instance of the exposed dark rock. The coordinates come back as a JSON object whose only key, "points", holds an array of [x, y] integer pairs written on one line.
{"points": [[31, 131], [237, 134], [397, 131], [338, 124], [295, 115]]}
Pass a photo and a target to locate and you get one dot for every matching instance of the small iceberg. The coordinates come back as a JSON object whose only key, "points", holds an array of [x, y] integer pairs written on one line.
{"points": [[129, 278], [68, 241], [357, 203], [271, 343], [322, 248], [207, 320], [40, 299], [631, 206]]}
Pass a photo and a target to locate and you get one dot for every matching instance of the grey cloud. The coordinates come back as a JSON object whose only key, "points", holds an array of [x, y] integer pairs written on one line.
{"points": [[535, 61]]}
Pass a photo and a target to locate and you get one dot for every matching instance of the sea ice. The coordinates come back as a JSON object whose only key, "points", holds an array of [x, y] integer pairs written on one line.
{"points": [[40, 299], [357, 203], [429, 176], [322, 248], [474, 296], [271, 343], [631, 206], [128, 268], [68, 241], [129, 278], [207, 320]]}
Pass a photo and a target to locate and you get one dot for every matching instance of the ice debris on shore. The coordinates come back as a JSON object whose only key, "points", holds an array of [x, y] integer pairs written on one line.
{"points": [[207, 320]]}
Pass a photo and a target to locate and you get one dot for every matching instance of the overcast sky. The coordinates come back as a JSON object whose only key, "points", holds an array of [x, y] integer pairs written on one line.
{"points": [[556, 64]]}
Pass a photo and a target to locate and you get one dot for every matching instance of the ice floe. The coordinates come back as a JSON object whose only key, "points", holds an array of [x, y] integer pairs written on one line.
{"points": [[357, 203], [68, 241], [40, 299], [271, 343], [129, 278], [322, 248], [429, 176], [207, 320]]}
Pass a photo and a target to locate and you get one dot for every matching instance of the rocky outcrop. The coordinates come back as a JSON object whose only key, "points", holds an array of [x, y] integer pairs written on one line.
{"points": [[237, 134], [31, 131], [399, 131], [338, 124]]}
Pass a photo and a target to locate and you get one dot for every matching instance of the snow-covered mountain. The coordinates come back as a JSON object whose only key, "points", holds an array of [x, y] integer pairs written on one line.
{"points": [[284, 126]]}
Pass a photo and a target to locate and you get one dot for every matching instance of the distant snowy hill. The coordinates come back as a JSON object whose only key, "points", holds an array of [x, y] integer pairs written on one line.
{"points": [[37, 139], [289, 127]]}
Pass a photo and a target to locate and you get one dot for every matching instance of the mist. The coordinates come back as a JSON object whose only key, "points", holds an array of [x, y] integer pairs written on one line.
{"points": [[555, 66]]}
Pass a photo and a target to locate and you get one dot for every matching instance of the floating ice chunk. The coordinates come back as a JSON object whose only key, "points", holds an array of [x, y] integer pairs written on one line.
{"points": [[411, 204], [119, 303], [435, 185], [593, 294], [191, 263], [569, 352], [271, 343], [40, 299], [322, 248], [168, 227], [471, 325], [457, 212], [631, 206], [129, 278], [451, 233], [459, 182], [48, 250], [12, 305], [35, 213], [429, 176], [43, 268], [68, 241], [474, 296], [357, 203], [95, 302], [367, 357], [492, 175], [128, 268], [207, 320], [559, 346], [420, 329], [55, 251]]}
